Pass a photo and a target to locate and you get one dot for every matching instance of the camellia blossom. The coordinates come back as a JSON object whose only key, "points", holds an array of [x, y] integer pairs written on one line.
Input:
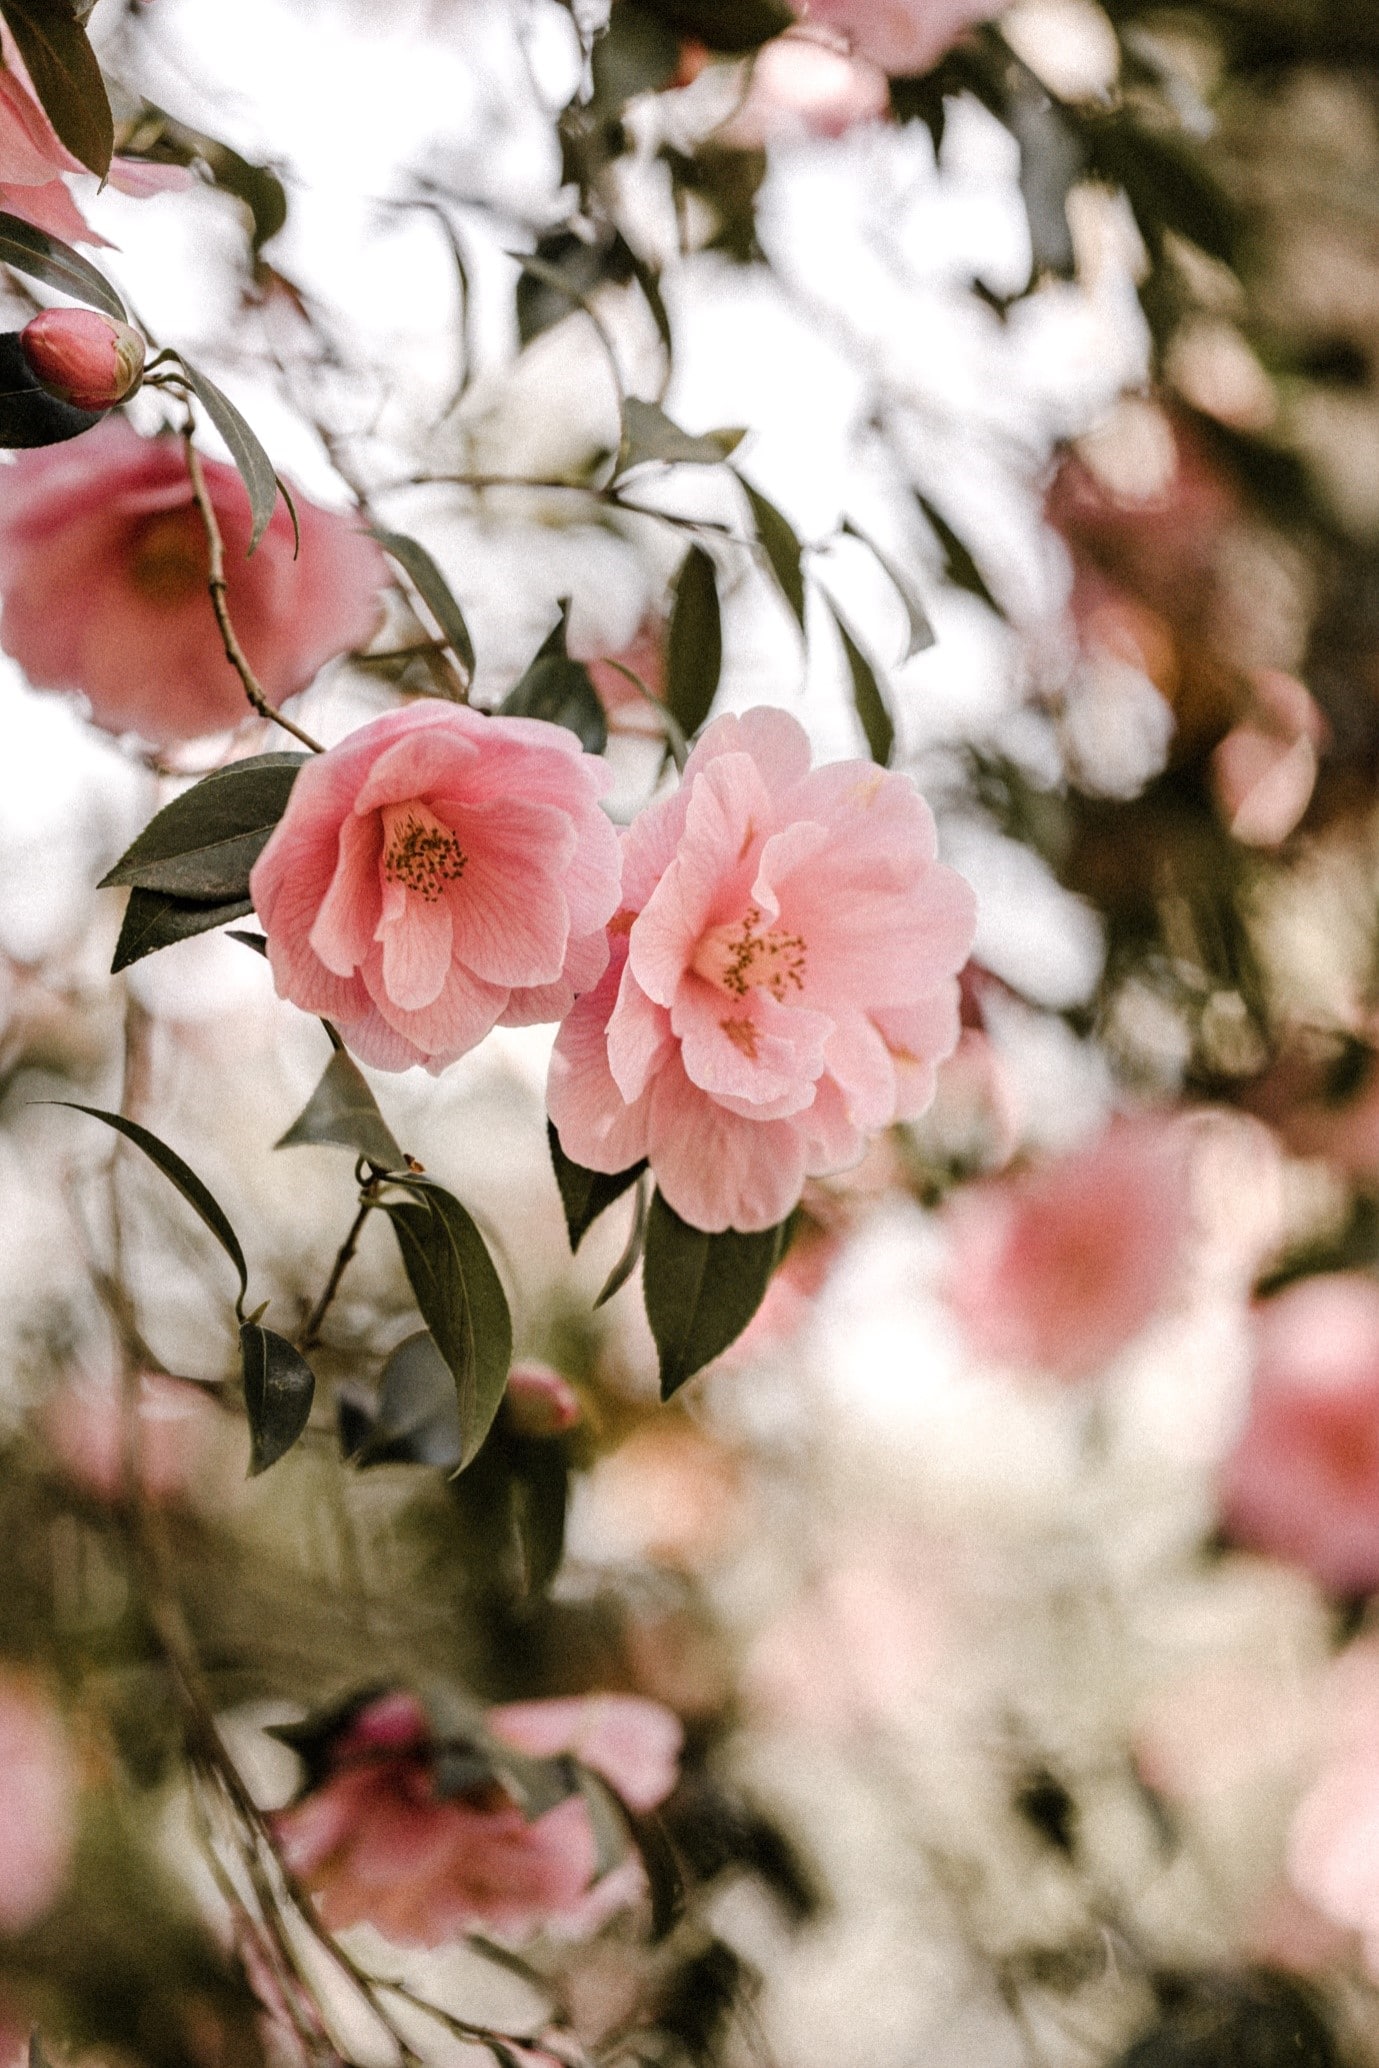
{"points": [[103, 568], [781, 984], [37, 1803], [83, 357], [1057, 1269], [437, 873], [377, 1841], [806, 83], [176, 1429], [903, 37], [1333, 1846], [1303, 1480]]}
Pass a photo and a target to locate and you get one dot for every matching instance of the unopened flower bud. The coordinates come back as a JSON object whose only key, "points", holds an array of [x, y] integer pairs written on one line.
{"points": [[82, 357], [540, 1402]]}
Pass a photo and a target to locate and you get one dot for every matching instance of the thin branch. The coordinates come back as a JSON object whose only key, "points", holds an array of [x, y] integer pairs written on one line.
{"points": [[234, 652], [311, 1334]]}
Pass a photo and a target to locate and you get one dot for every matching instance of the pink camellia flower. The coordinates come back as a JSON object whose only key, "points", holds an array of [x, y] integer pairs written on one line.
{"points": [[1303, 1480], [377, 1841], [1264, 770], [903, 37], [33, 161], [37, 1802], [1333, 1846], [435, 874], [782, 978], [103, 565], [1059, 1268], [83, 357], [176, 1428], [806, 83], [626, 708]]}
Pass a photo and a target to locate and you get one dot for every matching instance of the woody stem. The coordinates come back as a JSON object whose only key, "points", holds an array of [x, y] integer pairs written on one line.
{"points": [[312, 1332], [234, 652]]}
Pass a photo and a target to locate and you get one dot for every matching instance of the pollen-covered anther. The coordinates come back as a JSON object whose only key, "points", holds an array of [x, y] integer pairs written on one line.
{"points": [[739, 959], [422, 854], [743, 1035]]}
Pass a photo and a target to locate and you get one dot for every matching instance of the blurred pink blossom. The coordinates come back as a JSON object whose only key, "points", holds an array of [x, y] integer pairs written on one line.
{"points": [[903, 37], [1303, 1480], [1264, 770], [103, 566], [1059, 1268], [805, 83], [539, 1401], [37, 1802], [1333, 1846], [781, 982], [177, 1426], [377, 1842], [437, 873], [626, 708]]}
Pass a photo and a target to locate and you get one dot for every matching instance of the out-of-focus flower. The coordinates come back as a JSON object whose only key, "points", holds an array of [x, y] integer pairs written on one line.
{"points": [[83, 357], [781, 982], [37, 1803], [903, 37], [805, 83], [438, 872], [376, 1839], [1263, 772], [33, 160], [670, 1493], [626, 707], [539, 1401], [1303, 1480], [175, 1430], [1333, 1846], [103, 568], [1059, 1268]]}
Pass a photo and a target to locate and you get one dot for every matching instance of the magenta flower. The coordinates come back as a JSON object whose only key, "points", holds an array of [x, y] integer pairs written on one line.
{"points": [[782, 979], [37, 1802], [1060, 1268], [377, 1842], [103, 566], [435, 874], [1303, 1480], [83, 357]]}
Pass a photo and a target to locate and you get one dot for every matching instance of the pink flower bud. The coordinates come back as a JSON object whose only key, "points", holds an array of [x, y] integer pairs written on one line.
{"points": [[540, 1402], [82, 357]]}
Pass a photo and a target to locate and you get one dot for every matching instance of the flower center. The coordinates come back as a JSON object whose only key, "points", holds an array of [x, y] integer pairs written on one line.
{"points": [[741, 958], [169, 563], [419, 852]]}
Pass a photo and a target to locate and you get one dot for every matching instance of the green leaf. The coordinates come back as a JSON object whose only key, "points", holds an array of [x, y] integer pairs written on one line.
{"points": [[343, 1111], [632, 1252], [701, 1290], [731, 26], [415, 1420], [461, 1299], [66, 77], [781, 547], [921, 632], [560, 690], [867, 700], [47, 258], [255, 468], [608, 1821], [204, 844], [585, 1194], [153, 920], [434, 591], [649, 435], [694, 645], [198, 1197], [278, 1389], [958, 565]]}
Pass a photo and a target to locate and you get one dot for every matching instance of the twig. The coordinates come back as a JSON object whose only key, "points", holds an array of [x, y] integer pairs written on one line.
{"points": [[311, 1334], [234, 652]]}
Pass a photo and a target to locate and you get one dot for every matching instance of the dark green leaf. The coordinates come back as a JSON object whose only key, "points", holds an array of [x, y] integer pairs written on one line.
{"points": [[29, 415], [255, 468], [694, 646], [66, 77], [608, 1821], [958, 565], [434, 591], [731, 26], [781, 548], [278, 1388], [204, 844], [701, 1290], [160, 139], [1166, 182], [256, 941], [662, 1871], [632, 1251], [867, 700], [198, 1197], [153, 920], [648, 434], [560, 690], [415, 1420], [584, 1194], [47, 258], [461, 1300], [650, 285], [1051, 163], [921, 633], [342, 1110], [562, 273]]}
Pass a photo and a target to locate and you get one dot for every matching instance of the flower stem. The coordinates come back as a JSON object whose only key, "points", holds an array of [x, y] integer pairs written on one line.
{"points": [[312, 1332]]}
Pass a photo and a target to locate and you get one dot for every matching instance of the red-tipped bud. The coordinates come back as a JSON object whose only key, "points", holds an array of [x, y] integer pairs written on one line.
{"points": [[540, 1402], [82, 357]]}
